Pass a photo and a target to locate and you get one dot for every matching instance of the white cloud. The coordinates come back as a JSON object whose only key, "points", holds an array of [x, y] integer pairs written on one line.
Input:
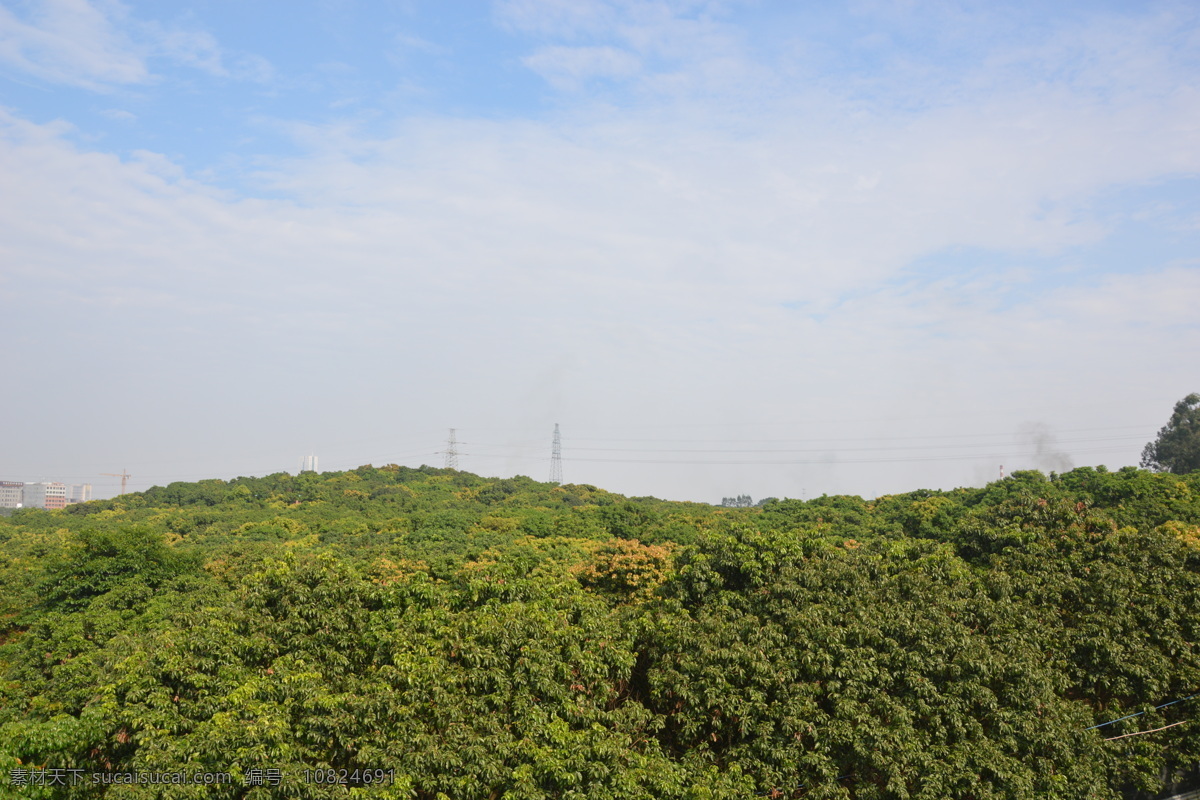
{"points": [[436, 282], [408, 42], [97, 45], [119, 114], [192, 48], [567, 18], [73, 42], [673, 48], [711, 260], [250, 67], [572, 67]]}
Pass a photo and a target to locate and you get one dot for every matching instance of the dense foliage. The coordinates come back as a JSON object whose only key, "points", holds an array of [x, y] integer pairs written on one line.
{"points": [[474, 638], [1177, 446]]}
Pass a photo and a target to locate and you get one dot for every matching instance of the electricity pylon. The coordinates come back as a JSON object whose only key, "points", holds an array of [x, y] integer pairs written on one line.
{"points": [[452, 451], [556, 458]]}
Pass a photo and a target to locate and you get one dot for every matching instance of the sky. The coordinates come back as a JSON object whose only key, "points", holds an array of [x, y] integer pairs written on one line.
{"points": [[768, 248]]}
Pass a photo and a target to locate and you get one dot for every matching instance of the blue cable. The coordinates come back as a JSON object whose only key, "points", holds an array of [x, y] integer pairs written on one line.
{"points": [[1138, 714]]}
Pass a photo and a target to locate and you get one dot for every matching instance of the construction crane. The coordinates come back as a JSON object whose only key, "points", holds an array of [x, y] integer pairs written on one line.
{"points": [[123, 475]]}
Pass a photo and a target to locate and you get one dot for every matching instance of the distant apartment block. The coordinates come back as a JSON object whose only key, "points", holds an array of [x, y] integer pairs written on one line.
{"points": [[47, 494], [12, 494]]}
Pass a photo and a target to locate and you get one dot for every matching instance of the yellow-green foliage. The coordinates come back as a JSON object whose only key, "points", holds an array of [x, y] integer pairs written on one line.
{"points": [[483, 639]]}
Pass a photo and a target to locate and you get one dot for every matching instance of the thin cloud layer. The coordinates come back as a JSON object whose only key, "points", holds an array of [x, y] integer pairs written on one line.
{"points": [[101, 46], [827, 257], [72, 42]]}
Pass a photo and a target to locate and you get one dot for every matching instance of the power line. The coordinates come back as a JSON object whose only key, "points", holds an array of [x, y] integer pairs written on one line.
{"points": [[828, 462], [1141, 733], [1007, 435], [1140, 713], [823, 451], [1022, 411], [839, 449], [835, 444]]}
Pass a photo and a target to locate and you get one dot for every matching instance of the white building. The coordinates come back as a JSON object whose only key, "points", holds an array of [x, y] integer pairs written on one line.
{"points": [[47, 494], [12, 494]]}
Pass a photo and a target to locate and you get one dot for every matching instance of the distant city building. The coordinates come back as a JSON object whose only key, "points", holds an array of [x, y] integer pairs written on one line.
{"points": [[47, 494], [12, 494], [308, 464]]}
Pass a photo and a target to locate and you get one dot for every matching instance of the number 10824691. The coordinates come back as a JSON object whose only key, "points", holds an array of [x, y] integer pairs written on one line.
{"points": [[351, 777]]}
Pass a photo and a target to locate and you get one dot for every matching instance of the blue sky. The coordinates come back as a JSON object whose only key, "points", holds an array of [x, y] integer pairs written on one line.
{"points": [[732, 247]]}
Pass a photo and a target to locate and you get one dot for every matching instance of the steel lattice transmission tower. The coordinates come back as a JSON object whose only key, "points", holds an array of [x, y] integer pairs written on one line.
{"points": [[452, 451], [556, 457]]}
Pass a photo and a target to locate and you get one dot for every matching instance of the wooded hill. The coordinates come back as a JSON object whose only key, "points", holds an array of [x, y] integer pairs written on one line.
{"points": [[475, 639]]}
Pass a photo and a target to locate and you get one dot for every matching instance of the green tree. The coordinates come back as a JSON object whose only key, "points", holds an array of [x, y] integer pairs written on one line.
{"points": [[97, 561], [1177, 448]]}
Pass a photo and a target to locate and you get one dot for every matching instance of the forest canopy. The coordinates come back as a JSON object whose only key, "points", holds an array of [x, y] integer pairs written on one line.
{"points": [[428, 633]]}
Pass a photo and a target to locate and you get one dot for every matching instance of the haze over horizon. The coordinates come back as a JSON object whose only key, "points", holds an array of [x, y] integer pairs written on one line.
{"points": [[730, 247]]}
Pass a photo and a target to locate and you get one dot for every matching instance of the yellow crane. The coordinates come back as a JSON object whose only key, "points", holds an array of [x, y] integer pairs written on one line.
{"points": [[123, 475]]}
